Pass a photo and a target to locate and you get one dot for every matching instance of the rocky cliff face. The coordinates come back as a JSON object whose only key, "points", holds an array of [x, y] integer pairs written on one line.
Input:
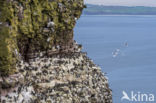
{"points": [[39, 61], [30, 26]]}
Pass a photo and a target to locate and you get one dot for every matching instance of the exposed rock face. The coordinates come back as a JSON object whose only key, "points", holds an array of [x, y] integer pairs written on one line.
{"points": [[63, 78], [39, 61]]}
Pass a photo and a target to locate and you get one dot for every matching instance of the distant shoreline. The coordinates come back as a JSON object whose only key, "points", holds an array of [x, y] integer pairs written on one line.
{"points": [[118, 10], [118, 15]]}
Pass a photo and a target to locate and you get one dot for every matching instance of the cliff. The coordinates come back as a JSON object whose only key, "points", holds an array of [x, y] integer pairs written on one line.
{"points": [[39, 60]]}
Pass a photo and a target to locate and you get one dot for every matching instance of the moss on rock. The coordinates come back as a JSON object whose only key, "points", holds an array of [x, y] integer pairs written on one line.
{"points": [[26, 27]]}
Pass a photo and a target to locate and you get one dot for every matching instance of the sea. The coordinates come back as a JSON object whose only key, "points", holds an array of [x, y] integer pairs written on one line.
{"points": [[124, 46]]}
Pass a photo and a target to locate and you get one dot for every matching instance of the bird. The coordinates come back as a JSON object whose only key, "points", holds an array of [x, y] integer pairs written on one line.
{"points": [[125, 96], [50, 24], [48, 39], [126, 44], [76, 18], [116, 53]]}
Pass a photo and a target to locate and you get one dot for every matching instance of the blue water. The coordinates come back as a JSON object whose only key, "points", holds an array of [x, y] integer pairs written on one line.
{"points": [[134, 68]]}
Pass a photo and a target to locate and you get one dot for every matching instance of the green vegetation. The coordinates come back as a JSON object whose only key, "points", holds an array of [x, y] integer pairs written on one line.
{"points": [[118, 10], [23, 24], [7, 39]]}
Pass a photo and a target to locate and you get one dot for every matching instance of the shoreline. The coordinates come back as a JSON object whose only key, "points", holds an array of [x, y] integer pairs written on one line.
{"points": [[118, 15]]}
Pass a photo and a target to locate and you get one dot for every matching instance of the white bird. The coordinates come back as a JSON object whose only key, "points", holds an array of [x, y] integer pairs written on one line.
{"points": [[125, 96], [50, 24], [116, 53], [75, 18], [117, 50], [58, 47], [48, 39], [16, 52]]}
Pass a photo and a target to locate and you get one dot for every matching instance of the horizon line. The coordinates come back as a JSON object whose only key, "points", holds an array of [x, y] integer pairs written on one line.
{"points": [[121, 5]]}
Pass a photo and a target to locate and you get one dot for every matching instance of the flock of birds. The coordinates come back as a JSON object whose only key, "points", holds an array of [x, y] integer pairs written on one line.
{"points": [[118, 51]]}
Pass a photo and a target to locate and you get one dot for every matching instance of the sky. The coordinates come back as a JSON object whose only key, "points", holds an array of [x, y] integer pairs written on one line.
{"points": [[123, 2]]}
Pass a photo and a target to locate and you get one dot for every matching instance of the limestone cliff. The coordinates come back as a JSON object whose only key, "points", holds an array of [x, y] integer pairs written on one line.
{"points": [[39, 60]]}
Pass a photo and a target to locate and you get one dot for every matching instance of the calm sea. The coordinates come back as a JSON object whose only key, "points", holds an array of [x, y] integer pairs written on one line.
{"points": [[125, 48]]}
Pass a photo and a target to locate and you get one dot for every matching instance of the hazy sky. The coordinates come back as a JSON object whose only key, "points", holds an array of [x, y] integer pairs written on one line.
{"points": [[124, 2]]}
